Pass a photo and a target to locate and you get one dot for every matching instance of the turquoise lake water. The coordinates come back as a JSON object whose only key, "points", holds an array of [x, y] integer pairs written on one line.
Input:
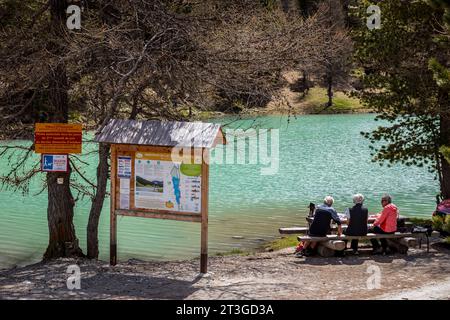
{"points": [[318, 155]]}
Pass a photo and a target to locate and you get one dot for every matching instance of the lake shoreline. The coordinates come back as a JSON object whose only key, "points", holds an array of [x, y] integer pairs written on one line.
{"points": [[260, 112], [262, 275], [245, 206]]}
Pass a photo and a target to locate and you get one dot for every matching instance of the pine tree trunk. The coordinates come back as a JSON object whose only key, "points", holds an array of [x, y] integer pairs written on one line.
{"points": [[445, 188], [62, 239], [97, 203], [329, 88], [445, 166], [305, 83]]}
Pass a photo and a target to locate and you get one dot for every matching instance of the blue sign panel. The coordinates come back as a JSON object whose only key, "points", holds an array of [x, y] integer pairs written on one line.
{"points": [[54, 162], [47, 164]]}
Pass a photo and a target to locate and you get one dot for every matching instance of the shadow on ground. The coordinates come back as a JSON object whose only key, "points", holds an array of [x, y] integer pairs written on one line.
{"points": [[42, 281]]}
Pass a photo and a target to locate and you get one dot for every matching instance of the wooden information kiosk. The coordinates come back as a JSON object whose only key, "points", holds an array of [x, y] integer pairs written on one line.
{"points": [[160, 169]]}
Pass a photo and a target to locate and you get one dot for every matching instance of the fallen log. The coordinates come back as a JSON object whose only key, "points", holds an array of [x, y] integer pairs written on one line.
{"points": [[395, 245], [324, 251], [328, 248], [410, 242], [336, 245]]}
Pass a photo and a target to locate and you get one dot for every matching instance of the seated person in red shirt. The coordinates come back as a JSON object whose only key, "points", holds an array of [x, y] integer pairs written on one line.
{"points": [[386, 223]]}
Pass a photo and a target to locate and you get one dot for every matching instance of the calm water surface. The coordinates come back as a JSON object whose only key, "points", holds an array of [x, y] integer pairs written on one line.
{"points": [[318, 155]]}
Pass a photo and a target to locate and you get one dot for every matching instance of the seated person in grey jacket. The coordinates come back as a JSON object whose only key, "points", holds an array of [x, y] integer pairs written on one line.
{"points": [[357, 220]]}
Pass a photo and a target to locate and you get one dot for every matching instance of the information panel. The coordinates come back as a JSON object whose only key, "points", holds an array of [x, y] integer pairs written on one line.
{"points": [[57, 138], [165, 185]]}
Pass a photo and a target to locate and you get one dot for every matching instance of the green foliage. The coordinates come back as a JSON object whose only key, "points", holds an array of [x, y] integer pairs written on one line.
{"points": [[75, 117], [282, 243], [440, 73], [445, 5], [441, 223], [399, 82], [447, 240], [446, 152], [438, 222], [446, 225], [233, 252]]}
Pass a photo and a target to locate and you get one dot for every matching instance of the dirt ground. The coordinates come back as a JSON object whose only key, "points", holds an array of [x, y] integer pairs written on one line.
{"points": [[268, 275]]}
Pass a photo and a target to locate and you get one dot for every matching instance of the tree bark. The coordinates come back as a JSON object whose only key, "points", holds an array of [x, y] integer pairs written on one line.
{"points": [[97, 203], [286, 5], [305, 83], [445, 166], [329, 87], [62, 238]]}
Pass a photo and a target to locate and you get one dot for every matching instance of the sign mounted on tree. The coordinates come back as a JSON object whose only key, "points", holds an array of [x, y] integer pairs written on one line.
{"points": [[160, 169], [57, 138], [55, 163]]}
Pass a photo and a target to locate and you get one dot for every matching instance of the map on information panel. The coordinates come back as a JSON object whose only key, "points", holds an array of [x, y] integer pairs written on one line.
{"points": [[165, 185]]}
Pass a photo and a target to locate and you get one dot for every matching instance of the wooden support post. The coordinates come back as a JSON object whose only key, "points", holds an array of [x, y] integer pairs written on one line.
{"points": [[113, 217], [204, 210]]}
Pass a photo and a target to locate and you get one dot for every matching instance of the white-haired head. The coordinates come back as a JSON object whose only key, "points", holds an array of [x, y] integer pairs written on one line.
{"points": [[358, 198], [328, 201]]}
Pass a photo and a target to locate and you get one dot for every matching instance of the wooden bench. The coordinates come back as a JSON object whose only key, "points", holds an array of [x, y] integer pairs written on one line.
{"points": [[301, 230], [327, 246]]}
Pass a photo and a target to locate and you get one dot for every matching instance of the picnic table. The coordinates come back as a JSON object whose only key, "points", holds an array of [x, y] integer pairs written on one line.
{"points": [[328, 245], [400, 241], [371, 219], [298, 230]]}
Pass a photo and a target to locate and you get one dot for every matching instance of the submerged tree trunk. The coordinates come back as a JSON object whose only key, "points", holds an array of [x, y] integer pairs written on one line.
{"points": [[97, 203], [62, 239]]}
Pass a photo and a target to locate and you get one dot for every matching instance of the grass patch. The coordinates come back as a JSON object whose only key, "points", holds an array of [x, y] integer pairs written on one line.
{"points": [[233, 252], [317, 98], [282, 243]]}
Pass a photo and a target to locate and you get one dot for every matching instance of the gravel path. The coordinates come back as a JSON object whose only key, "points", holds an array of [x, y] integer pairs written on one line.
{"points": [[272, 275]]}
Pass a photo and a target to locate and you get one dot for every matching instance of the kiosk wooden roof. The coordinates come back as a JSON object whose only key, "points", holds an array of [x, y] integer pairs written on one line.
{"points": [[162, 133]]}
